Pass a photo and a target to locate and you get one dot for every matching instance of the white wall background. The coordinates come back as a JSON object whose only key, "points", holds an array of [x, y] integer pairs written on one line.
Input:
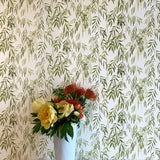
{"points": [[111, 46]]}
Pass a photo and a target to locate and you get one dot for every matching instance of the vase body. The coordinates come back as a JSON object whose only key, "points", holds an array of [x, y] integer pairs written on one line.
{"points": [[65, 150]]}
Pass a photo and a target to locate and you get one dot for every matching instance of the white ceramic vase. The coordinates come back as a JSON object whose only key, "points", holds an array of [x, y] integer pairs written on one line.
{"points": [[65, 150]]}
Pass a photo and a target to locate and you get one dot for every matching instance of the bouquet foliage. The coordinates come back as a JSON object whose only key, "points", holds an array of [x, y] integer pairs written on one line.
{"points": [[57, 115]]}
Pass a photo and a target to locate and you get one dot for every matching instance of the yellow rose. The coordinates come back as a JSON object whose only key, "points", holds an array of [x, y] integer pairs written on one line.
{"points": [[47, 115], [36, 106], [66, 110]]}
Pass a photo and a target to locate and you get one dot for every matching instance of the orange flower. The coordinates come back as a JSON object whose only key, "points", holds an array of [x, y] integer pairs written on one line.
{"points": [[80, 110], [90, 95]]}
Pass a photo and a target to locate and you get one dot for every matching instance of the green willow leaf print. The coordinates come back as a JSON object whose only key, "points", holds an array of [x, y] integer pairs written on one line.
{"points": [[111, 45]]}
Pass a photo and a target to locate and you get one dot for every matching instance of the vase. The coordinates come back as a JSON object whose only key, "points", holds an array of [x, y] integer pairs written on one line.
{"points": [[65, 150]]}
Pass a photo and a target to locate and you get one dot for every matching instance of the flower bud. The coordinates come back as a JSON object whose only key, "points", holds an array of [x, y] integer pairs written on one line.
{"points": [[77, 106], [80, 115], [76, 113], [80, 110]]}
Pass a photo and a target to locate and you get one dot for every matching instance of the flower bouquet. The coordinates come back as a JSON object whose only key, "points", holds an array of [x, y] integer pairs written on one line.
{"points": [[57, 115]]}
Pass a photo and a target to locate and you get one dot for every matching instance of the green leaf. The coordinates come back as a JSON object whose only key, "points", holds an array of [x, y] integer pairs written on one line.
{"points": [[60, 93], [36, 120], [36, 128], [66, 138], [70, 130], [65, 130], [74, 119], [34, 114], [55, 129], [44, 131]]}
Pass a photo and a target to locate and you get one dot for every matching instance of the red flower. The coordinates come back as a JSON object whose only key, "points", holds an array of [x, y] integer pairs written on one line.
{"points": [[80, 115], [90, 94], [70, 88], [80, 92], [73, 101], [57, 100]]}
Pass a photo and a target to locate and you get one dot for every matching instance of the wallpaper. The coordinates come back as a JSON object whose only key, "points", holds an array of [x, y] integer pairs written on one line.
{"points": [[111, 46]]}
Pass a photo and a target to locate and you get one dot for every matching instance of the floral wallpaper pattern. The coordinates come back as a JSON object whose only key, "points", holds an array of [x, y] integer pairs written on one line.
{"points": [[112, 46]]}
